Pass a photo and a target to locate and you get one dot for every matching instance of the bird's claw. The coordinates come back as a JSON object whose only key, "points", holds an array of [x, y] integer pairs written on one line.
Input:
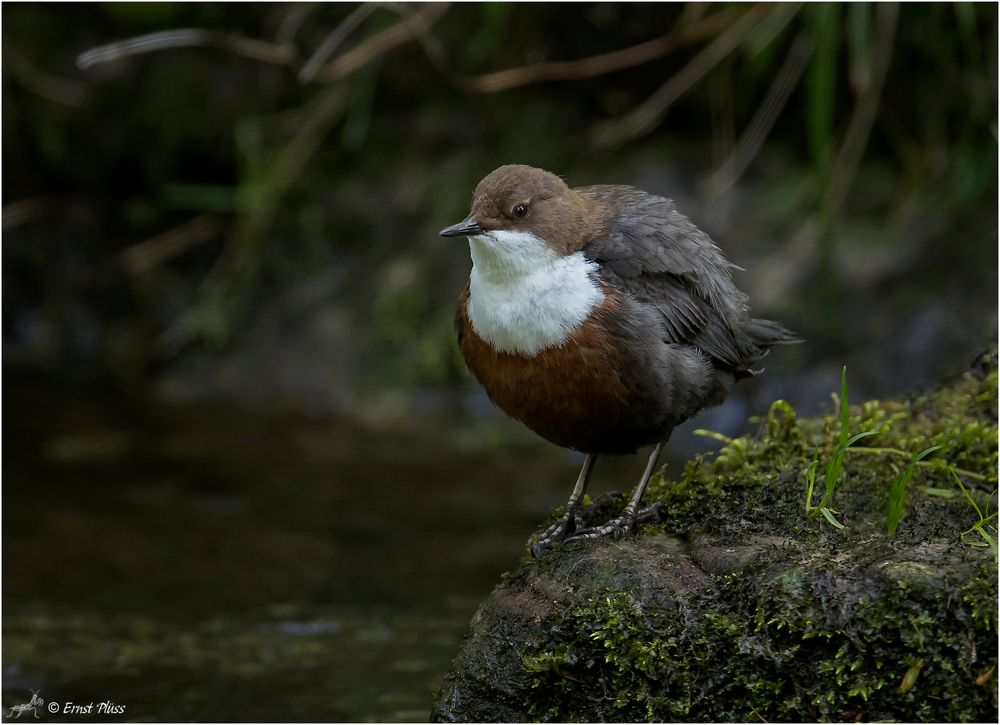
{"points": [[574, 520], [620, 527], [557, 532]]}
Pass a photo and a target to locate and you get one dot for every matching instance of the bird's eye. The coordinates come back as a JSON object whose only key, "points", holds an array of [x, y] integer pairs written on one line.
{"points": [[520, 210]]}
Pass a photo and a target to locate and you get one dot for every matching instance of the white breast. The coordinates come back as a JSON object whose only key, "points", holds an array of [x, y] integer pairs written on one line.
{"points": [[523, 296]]}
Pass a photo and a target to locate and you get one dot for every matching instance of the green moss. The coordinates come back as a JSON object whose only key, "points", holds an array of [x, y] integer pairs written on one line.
{"points": [[960, 417], [640, 669], [795, 644], [820, 624]]}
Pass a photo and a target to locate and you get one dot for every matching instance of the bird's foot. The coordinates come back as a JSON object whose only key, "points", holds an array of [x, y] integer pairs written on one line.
{"points": [[619, 528], [574, 520], [557, 532]]}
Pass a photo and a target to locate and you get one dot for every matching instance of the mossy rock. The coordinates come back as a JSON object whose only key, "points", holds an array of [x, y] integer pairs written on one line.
{"points": [[741, 606]]}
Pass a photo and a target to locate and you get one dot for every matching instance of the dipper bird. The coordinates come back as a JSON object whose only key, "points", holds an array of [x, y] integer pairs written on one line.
{"points": [[601, 318]]}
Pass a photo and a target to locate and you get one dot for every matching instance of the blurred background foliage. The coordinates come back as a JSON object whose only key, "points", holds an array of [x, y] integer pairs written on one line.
{"points": [[189, 186]]}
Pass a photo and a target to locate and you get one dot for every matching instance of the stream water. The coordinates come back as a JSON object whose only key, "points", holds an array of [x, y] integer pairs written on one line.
{"points": [[191, 565], [194, 565]]}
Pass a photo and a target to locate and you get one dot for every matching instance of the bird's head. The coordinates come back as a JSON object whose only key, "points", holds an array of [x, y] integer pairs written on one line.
{"points": [[521, 215]]}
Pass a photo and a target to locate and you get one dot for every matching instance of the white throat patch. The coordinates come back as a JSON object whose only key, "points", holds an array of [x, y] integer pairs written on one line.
{"points": [[523, 296]]}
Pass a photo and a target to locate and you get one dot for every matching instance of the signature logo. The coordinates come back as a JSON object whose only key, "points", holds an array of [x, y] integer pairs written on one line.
{"points": [[35, 703]]}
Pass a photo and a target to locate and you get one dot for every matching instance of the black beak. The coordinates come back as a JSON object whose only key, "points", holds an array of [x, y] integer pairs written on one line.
{"points": [[469, 227]]}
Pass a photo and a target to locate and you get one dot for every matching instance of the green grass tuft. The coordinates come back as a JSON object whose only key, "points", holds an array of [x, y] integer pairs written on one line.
{"points": [[835, 466], [897, 490], [980, 527]]}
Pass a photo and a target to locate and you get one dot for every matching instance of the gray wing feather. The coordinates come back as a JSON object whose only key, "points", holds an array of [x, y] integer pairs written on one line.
{"points": [[663, 260]]}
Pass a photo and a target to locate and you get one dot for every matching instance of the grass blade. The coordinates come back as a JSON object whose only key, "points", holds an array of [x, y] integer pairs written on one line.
{"points": [[845, 415], [897, 490], [979, 526], [859, 46], [836, 464], [854, 439], [828, 515], [968, 497], [821, 83], [940, 492], [991, 542], [811, 482]]}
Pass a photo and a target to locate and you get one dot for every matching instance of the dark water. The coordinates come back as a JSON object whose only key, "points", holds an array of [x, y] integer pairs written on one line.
{"points": [[192, 565]]}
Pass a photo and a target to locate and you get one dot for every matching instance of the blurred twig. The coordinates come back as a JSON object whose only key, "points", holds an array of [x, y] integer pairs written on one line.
{"points": [[333, 41], [148, 254], [649, 113], [413, 25], [292, 22], [760, 126], [410, 27], [28, 210], [60, 90], [421, 30], [599, 64], [845, 164], [261, 50]]}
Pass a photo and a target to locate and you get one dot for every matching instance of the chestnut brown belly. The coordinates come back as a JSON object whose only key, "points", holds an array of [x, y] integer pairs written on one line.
{"points": [[574, 395]]}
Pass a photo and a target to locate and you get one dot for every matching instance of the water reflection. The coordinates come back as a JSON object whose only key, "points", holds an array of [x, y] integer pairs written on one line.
{"points": [[193, 565]]}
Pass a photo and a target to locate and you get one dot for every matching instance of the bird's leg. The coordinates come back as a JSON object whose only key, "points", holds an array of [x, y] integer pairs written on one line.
{"points": [[623, 525], [569, 521]]}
